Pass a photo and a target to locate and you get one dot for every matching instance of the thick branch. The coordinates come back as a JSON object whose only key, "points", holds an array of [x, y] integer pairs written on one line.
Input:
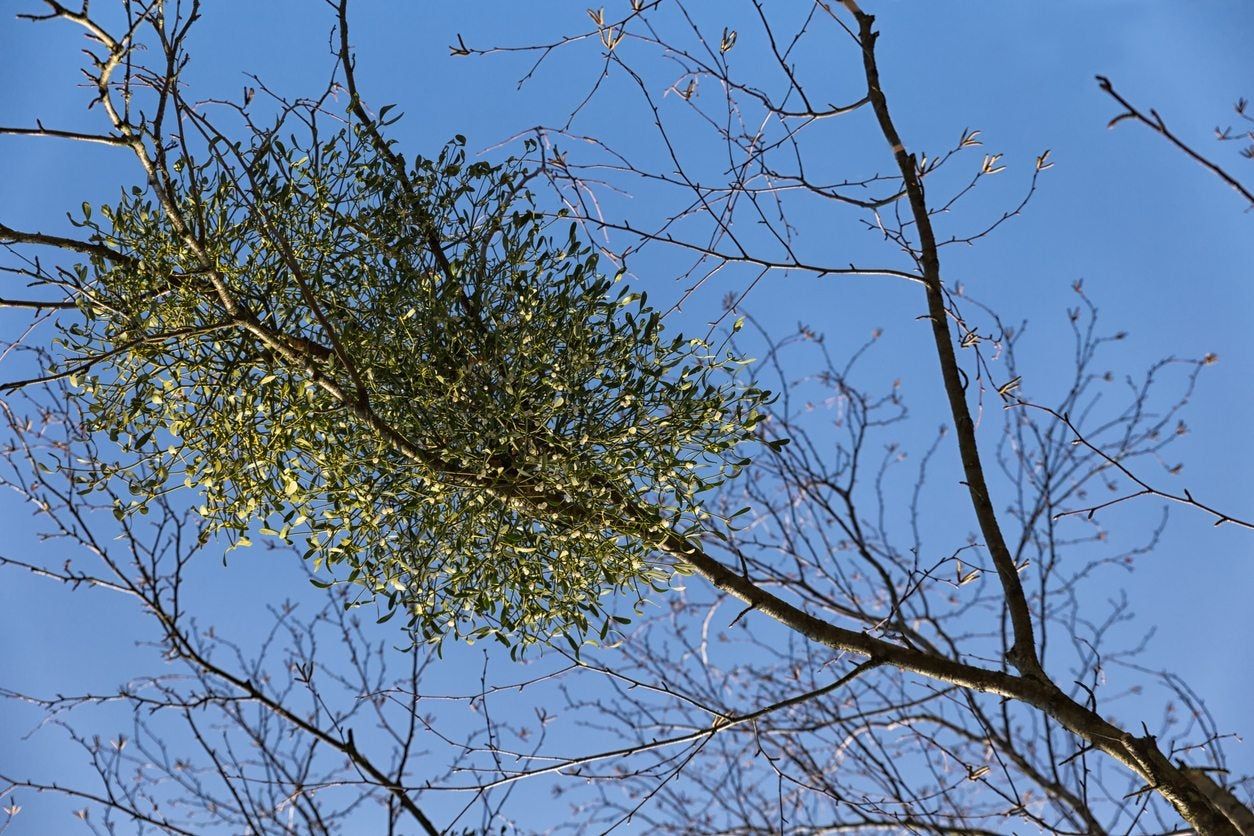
{"points": [[1141, 754], [1022, 654], [9, 235]]}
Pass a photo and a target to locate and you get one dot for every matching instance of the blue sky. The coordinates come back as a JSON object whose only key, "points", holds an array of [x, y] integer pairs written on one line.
{"points": [[1162, 247]]}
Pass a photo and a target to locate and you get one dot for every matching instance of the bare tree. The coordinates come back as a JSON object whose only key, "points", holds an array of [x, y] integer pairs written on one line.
{"points": [[872, 680]]}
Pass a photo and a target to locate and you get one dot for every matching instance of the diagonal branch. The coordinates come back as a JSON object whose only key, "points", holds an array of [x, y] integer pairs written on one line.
{"points": [[9, 235], [1146, 489], [719, 725], [1155, 123], [1022, 654]]}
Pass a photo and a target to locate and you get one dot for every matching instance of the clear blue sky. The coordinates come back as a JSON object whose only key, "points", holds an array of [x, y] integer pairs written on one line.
{"points": [[1163, 248]]}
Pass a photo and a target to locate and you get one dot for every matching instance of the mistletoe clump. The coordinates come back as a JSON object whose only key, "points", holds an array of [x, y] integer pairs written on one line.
{"points": [[412, 372]]}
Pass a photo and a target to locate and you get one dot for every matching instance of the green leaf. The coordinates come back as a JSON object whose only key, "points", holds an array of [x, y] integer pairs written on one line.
{"points": [[556, 387]]}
